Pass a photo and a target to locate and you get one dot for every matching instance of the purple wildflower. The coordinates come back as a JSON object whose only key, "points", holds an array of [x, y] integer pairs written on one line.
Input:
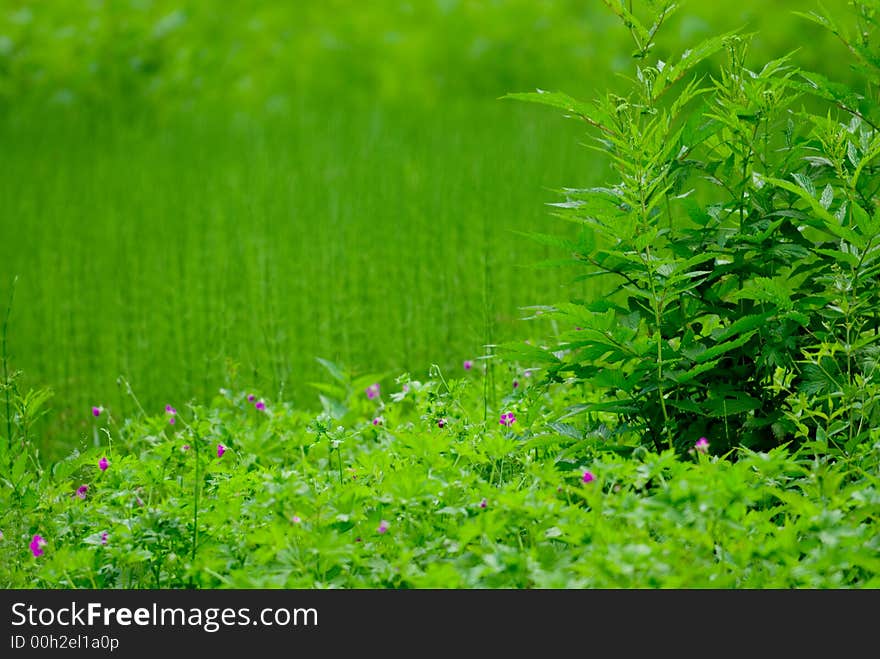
{"points": [[81, 491], [484, 503], [296, 519], [251, 398], [220, 450], [103, 463], [260, 405], [37, 545], [171, 420], [104, 537], [507, 419], [702, 445], [170, 410], [527, 373], [96, 411], [185, 447], [373, 391], [468, 364], [441, 423], [515, 384], [383, 526], [378, 421], [589, 477]]}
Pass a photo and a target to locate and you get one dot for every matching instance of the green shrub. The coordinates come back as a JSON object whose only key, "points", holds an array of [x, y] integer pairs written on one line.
{"points": [[737, 248]]}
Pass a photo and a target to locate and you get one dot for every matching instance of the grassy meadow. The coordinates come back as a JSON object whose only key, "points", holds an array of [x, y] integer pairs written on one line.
{"points": [[269, 294], [209, 248]]}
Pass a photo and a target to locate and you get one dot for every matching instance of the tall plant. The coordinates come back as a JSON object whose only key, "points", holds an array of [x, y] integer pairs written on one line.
{"points": [[735, 251]]}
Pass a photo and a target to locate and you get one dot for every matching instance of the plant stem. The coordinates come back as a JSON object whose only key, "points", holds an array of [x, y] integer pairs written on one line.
{"points": [[196, 491], [6, 372]]}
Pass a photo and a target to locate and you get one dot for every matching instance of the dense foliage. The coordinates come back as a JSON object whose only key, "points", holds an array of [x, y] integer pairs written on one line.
{"points": [[407, 485], [738, 250]]}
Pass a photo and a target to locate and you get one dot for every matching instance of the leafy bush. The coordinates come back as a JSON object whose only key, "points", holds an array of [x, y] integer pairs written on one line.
{"points": [[738, 246]]}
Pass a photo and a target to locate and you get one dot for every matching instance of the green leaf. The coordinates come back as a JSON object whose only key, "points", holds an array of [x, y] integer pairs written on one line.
{"points": [[741, 402], [19, 466], [686, 405], [696, 371], [721, 348], [827, 197], [335, 372], [744, 324], [806, 183], [825, 221]]}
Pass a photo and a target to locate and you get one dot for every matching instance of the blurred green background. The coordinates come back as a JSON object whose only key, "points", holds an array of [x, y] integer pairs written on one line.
{"points": [[203, 194]]}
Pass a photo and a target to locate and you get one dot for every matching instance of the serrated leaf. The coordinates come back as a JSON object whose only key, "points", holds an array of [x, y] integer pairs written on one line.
{"points": [[843, 257], [827, 197], [696, 371], [721, 348], [852, 154], [744, 324], [805, 182]]}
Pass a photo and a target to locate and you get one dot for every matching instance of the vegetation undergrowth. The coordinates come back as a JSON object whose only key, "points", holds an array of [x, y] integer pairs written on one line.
{"points": [[408, 486]]}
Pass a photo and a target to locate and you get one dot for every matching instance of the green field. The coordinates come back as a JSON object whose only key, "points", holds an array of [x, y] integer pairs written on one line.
{"points": [[174, 255]]}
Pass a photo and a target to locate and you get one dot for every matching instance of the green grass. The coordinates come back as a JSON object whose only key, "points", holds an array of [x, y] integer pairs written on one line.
{"points": [[169, 252]]}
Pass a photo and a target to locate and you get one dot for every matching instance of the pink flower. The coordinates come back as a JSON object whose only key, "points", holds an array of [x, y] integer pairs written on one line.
{"points": [[81, 491], [185, 447], [260, 405], [484, 503], [103, 464], [702, 445], [251, 398], [383, 526], [441, 423], [170, 410], [507, 419], [468, 364], [104, 538], [373, 391], [220, 450], [377, 421], [296, 519], [37, 545], [589, 477], [171, 420], [96, 411], [527, 374]]}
